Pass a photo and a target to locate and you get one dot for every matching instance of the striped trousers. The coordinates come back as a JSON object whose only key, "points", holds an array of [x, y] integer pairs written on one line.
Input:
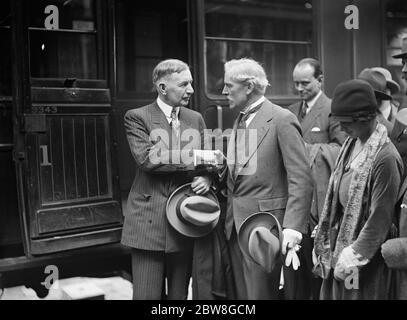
{"points": [[151, 268]]}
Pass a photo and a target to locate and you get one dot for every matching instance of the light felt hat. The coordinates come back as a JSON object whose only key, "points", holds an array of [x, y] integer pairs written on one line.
{"points": [[190, 214], [378, 82], [260, 239], [391, 84]]}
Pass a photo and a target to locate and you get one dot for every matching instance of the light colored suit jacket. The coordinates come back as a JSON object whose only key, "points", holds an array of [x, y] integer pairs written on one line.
{"points": [[317, 126], [145, 223], [276, 177]]}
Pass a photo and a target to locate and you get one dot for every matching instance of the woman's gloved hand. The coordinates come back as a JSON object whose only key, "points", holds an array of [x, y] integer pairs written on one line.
{"points": [[348, 260]]}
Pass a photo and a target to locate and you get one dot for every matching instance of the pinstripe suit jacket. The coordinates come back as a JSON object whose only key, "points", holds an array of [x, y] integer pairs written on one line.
{"points": [[145, 223], [280, 181]]}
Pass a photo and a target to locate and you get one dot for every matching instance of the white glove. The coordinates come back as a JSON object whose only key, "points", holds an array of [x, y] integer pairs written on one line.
{"points": [[290, 239], [347, 260], [292, 257]]}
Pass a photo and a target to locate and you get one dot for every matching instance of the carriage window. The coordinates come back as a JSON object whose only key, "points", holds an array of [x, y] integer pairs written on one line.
{"points": [[63, 39], [276, 33], [147, 33], [396, 27], [5, 54]]}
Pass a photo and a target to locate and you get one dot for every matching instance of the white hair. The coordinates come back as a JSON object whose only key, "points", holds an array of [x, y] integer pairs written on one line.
{"points": [[247, 70]]}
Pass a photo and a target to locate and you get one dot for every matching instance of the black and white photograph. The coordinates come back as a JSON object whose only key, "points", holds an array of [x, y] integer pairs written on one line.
{"points": [[203, 155]]}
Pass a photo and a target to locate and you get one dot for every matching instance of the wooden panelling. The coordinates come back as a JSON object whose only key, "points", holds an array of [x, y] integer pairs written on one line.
{"points": [[74, 158], [6, 123], [344, 53], [70, 95], [336, 43], [77, 217], [9, 219], [368, 42], [75, 241]]}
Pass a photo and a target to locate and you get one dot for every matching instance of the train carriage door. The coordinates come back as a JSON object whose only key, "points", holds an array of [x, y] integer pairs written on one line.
{"points": [[69, 177]]}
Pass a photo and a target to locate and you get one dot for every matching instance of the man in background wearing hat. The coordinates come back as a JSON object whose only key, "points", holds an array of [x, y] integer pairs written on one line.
{"points": [[323, 137], [389, 108], [159, 252], [394, 251], [267, 171], [386, 110], [399, 133]]}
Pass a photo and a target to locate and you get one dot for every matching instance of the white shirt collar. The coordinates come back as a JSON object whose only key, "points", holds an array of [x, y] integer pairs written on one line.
{"points": [[256, 103], [312, 102], [166, 109]]}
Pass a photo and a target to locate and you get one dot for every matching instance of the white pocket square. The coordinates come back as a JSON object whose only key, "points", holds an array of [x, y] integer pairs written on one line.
{"points": [[315, 129]]}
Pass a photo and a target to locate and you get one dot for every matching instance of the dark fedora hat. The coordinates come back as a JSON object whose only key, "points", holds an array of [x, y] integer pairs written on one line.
{"points": [[353, 100], [260, 239], [190, 214], [378, 82], [403, 53]]}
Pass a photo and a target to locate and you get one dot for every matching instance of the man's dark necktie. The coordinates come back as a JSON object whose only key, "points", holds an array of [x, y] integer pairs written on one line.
{"points": [[244, 115], [303, 111]]}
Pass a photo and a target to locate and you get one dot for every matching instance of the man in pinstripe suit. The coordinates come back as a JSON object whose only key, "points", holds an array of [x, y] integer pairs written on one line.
{"points": [[162, 164]]}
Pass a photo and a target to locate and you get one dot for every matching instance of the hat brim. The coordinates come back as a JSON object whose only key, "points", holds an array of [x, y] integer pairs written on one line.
{"points": [[393, 86], [183, 228], [258, 219], [382, 95], [342, 118], [400, 55]]}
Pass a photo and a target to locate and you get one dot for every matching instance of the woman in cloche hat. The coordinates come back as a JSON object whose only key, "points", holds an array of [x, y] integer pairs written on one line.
{"points": [[359, 205]]}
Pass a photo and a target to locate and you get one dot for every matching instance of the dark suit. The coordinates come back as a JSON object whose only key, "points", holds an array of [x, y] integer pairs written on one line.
{"points": [[399, 138], [324, 138], [158, 248], [275, 178]]}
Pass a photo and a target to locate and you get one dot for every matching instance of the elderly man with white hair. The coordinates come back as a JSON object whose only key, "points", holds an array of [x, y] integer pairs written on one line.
{"points": [[267, 171]]}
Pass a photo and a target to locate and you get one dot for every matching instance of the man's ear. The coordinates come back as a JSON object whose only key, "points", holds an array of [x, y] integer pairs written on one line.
{"points": [[162, 88], [250, 87]]}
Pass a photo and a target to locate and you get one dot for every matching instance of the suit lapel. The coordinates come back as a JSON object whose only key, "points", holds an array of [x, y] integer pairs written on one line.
{"points": [[295, 108], [184, 120], [260, 124], [403, 189], [159, 123], [310, 118], [158, 117], [185, 124], [231, 151]]}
